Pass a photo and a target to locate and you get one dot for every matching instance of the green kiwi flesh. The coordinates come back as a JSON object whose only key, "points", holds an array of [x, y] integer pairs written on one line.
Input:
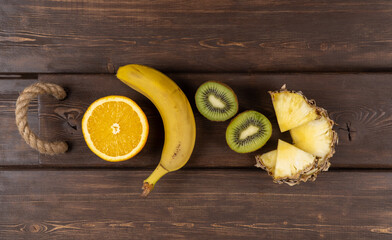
{"points": [[248, 132], [216, 101]]}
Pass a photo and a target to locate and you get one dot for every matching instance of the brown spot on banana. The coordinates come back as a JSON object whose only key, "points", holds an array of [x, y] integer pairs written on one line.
{"points": [[178, 149]]}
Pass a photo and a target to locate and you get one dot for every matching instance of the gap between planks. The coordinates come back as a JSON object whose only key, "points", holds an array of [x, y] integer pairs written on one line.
{"points": [[141, 169]]}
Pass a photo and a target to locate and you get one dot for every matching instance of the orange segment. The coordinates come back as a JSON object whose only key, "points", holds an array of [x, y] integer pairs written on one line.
{"points": [[115, 128]]}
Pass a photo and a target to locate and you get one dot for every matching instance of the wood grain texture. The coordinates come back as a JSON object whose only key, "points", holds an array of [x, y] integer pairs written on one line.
{"points": [[220, 36], [359, 103], [13, 149], [224, 204]]}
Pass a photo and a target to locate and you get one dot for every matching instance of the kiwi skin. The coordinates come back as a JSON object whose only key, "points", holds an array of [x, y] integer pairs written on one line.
{"points": [[266, 128], [233, 98]]}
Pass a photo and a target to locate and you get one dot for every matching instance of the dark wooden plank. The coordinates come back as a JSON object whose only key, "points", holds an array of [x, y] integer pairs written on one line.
{"points": [[360, 101], [226, 35], [13, 149], [224, 204]]}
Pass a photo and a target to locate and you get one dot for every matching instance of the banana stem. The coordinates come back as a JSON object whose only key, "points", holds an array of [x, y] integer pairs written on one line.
{"points": [[147, 188], [149, 183]]}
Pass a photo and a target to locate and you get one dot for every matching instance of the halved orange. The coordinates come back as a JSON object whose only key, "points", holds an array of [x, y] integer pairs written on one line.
{"points": [[115, 128]]}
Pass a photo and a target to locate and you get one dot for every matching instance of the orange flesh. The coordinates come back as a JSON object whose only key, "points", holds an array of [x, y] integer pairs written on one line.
{"points": [[115, 128]]}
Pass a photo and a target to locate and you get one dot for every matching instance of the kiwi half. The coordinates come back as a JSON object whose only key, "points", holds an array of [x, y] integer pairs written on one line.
{"points": [[216, 101], [248, 132]]}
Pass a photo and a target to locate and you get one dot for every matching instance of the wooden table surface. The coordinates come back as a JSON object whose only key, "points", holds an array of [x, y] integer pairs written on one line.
{"points": [[337, 52]]}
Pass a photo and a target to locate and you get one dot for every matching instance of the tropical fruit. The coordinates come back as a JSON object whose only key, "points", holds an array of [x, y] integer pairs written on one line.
{"points": [[316, 137], [312, 132], [267, 161], [290, 162], [292, 109], [176, 113], [115, 128], [248, 132], [216, 101]]}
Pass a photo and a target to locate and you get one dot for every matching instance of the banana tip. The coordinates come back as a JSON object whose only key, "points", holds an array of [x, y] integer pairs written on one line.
{"points": [[147, 188]]}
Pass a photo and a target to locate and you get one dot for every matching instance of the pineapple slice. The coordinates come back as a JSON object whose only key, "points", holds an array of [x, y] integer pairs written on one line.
{"points": [[315, 137], [318, 138], [291, 162], [292, 109], [314, 140], [267, 161]]}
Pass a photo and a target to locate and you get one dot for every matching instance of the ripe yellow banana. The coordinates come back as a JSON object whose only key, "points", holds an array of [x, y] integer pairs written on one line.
{"points": [[176, 113]]}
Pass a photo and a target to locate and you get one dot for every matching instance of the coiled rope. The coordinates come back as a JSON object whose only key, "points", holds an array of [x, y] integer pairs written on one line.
{"points": [[22, 105]]}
